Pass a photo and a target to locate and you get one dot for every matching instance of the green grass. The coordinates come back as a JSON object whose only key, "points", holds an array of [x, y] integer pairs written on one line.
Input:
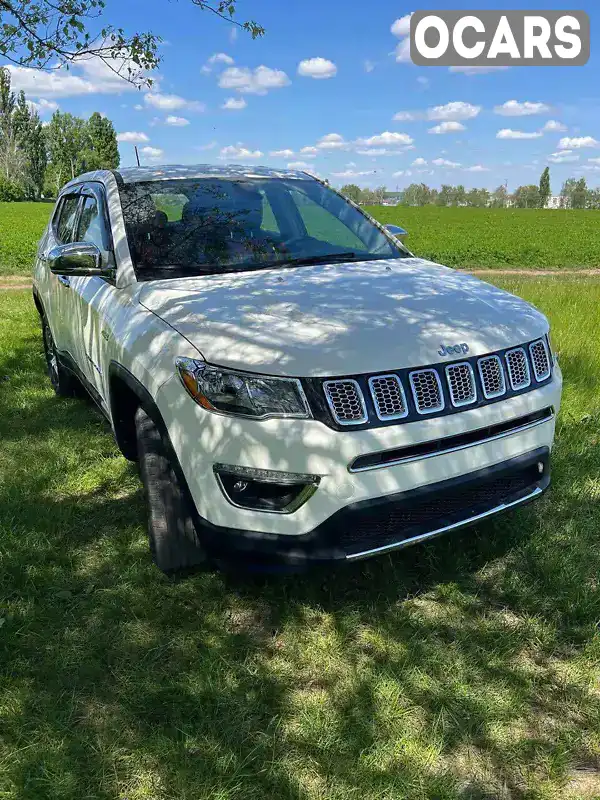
{"points": [[499, 238], [459, 237], [467, 668], [21, 227]]}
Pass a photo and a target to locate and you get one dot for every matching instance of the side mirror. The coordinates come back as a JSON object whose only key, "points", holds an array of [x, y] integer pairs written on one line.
{"points": [[78, 258], [396, 231]]}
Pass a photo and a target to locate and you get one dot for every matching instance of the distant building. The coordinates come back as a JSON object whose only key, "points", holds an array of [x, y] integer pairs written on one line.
{"points": [[554, 201]]}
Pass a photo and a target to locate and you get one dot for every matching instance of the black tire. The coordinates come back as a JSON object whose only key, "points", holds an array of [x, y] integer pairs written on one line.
{"points": [[63, 382], [174, 543]]}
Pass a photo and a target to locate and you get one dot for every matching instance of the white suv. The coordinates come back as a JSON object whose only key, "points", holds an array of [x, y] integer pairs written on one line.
{"points": [[296, 386]]}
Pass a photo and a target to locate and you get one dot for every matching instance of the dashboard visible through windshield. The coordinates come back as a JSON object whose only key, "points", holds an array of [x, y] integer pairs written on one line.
{"points": [[208, 226]]}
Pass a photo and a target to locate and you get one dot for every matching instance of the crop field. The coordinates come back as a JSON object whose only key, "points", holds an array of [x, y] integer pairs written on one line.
{"points": [[459, 237], [466, 669]]}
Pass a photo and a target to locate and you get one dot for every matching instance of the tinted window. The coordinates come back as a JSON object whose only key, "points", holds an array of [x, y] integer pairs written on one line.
{"points": [[66, 219], [91, 224], [211, 225]]}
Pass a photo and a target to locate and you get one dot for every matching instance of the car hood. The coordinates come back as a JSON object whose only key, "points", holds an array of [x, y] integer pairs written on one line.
{"points": [[341, 319]]}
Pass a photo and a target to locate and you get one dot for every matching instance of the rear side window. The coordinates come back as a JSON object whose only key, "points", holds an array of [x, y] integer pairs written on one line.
{"points": [[66, 218]]}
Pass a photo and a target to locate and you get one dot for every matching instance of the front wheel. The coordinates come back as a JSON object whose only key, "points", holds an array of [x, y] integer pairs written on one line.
{"points": [[172, 536]]}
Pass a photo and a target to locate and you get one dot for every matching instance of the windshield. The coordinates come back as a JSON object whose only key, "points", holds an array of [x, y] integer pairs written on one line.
{"points": [[214, 225]]}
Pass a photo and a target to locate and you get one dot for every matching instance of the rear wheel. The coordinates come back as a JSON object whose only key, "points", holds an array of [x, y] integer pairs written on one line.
{"points": [[63, 382], [174, 543]]}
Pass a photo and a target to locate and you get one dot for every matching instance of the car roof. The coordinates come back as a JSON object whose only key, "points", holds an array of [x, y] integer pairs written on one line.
{"points": [[181, 171]]}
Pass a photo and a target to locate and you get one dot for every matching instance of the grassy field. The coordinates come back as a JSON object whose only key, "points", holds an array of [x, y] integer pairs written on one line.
{"points": [[499, 238], [465, 669], [460, 237]]}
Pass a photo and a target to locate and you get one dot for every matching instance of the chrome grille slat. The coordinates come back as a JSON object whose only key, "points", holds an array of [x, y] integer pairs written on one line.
{"points": [[540, 359], [346, 401], [491, 373], [427, 391], [388, 397], [518, 368], [461, 383]]}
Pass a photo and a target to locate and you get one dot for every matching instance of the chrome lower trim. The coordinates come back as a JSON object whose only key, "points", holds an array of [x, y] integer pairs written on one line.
{"points": [[446, 529], [448, 450]]}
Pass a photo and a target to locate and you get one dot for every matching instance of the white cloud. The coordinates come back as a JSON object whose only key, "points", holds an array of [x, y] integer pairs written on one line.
{"points": [[512, 108], [134, 137], [368, 65], [447, 127], [403, 51], [318, 68], [209, 146], [234, 104], [419, 162], [554, 125], [401, 27], [257, 81], [87, 76], [301, 165], [508, 133], [403, 173], [386, 139], [443, 162], [453, 111], [171, 102], [477, 168], [593, 160], [405, 116], [240, 152], [332, 141], [282, 153], [176, 122], [309, 152], [576, 142], [349, 173], [221, 58], [42, 105], [138, 107], [423, 81], [152, 153], [564, 157], [468, 70]]}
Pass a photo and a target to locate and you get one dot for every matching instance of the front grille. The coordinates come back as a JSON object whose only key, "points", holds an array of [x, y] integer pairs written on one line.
{"points": [[346, 401], [518, 368], [388, 397], [540, 359], [461, 383], [492, 377], [406, 395], [427, 391]]}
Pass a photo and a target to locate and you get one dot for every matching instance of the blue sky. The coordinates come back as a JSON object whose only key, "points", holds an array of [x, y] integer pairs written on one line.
{"points": [[355, 111]]}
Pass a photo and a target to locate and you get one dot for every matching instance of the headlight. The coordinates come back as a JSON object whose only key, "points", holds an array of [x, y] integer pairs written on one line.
{"points": [[242, 394]]}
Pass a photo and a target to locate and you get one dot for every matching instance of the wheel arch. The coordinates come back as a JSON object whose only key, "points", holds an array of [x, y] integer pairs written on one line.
{"points": [[126, 395]]}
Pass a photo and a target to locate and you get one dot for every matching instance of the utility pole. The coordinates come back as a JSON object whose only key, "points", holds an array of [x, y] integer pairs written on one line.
{"points": [[137, 155]]}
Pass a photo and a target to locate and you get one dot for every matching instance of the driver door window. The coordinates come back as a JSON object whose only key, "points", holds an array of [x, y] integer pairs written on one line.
{"points": [[66, 218]]}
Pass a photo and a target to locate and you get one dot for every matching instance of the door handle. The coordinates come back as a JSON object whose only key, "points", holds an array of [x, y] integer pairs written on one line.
{"points": [[64, 280]]}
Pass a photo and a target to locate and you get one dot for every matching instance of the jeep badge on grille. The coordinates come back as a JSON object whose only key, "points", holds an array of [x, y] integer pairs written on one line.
{"points": [[453, 349]]}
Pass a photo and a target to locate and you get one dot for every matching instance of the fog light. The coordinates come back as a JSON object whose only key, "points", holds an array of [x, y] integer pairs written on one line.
{"points": [[265, 489]]}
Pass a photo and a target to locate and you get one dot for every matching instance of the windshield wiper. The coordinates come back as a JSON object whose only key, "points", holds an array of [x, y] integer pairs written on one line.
{"points": [[324, 258]]}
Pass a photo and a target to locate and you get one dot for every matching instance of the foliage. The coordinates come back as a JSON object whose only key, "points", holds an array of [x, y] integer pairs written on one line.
{"points": [[465, 668], [527, 197], [575, 193], [22, 143], [10, 191], [499, 238], [40, 33], [544, 190]]}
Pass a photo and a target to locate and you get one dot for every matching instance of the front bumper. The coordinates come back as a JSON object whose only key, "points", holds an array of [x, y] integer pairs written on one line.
{"points": [[385, 524]]}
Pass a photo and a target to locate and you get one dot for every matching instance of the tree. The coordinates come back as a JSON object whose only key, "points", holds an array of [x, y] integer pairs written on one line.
{"points": [[544, 190], [527, 196], [593, 199], [458, 196], [104, 150], [352, 191], [417, 194], [478, 198], [566, 192], [500, 197], [444, 197], [380, 193], [41, 33], [580, 194]]}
